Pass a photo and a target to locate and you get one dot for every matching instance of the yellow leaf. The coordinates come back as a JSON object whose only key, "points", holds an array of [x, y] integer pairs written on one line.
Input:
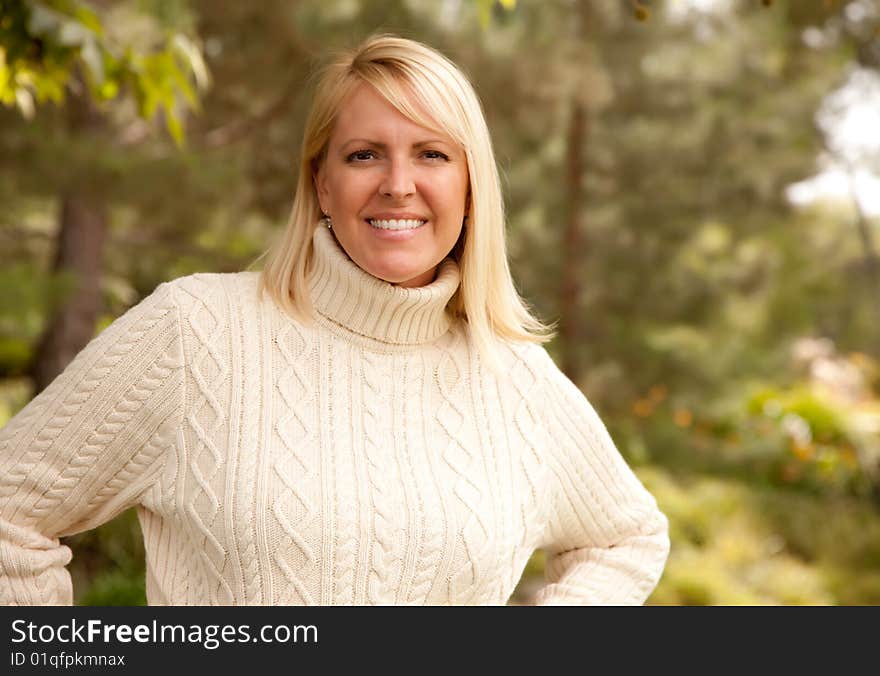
{"points": [[175, 128], [484, 10], [109, 89], [25, 102]]}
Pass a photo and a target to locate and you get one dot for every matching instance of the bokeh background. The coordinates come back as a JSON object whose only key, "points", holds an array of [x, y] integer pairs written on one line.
{"points": [[692, 189]]}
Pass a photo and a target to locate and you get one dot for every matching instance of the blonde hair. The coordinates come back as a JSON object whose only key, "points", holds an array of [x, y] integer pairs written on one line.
{"points": [[399, 69]]}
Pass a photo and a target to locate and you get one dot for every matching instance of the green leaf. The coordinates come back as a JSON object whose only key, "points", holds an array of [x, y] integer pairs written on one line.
{"points": [[5, 77], [74, 10], [71, 33], [484, 12], [109, 90], [89, 19], [175, 128], [180, 79]]}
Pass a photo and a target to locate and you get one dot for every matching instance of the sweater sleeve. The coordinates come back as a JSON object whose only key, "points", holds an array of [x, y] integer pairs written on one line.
{"points": [[88, 447], [606, 541]]}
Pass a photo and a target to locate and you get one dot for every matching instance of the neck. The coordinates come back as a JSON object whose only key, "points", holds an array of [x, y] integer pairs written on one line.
{"points": [[368, 306]]}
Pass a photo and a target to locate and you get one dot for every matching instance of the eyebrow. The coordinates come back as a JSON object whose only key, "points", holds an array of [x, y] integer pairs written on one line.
{"points": [[378, 144]]}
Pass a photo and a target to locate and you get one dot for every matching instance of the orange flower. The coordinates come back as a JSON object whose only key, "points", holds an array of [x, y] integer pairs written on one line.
{"points": [[683, 417], [643, 408]]}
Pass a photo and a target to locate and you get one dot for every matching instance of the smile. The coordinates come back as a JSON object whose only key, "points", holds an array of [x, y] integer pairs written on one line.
{"points": [[396, 224]]}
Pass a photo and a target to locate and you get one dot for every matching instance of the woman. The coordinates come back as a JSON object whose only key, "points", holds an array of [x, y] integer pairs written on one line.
{"points": [[381, 426]]}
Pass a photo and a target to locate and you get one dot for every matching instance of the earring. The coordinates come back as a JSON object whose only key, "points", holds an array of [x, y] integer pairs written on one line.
{"points": [[328, 222]]}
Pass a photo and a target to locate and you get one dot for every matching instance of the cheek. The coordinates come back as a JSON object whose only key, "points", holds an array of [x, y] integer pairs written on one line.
{"points": [[353, 190], [450, 193]]}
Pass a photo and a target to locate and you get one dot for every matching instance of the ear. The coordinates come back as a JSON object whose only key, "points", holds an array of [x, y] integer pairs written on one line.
{"points": [[319, 179]]}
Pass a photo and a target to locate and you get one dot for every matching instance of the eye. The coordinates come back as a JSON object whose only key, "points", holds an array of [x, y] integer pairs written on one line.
{"points": [[360, 156], [436, 155]]}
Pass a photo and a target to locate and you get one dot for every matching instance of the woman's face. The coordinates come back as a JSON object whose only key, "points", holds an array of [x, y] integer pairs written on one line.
{"points": [[382, 169]]}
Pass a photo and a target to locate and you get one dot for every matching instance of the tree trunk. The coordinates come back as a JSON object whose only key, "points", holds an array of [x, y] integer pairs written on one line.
{"points": [[81, 233], [80, 242], [573, 243]]}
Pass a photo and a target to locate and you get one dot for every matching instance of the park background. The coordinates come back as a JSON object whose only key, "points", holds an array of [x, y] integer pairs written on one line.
{"points": [[693, 191]]}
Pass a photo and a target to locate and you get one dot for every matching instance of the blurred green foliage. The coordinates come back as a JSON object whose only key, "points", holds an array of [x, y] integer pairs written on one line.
{"points": [[43, 43], [110, 566], [735, 543]]}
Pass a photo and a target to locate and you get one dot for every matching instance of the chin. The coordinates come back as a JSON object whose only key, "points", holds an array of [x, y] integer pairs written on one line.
{"points": [[405, 279], [395, 274]]}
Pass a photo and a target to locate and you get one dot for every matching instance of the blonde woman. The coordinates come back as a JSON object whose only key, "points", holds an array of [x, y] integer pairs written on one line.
{"points": [[369, 419]]}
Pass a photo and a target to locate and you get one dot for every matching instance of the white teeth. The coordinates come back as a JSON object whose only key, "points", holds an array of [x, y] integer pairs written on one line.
{"points": [[396, 224]]}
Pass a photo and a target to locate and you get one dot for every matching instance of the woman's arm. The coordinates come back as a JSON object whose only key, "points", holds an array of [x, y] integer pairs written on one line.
{"points": [[88, 447], [606, 541]]}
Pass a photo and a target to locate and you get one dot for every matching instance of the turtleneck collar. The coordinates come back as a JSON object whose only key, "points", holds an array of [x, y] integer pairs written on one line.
{"points": [[369, 306]]}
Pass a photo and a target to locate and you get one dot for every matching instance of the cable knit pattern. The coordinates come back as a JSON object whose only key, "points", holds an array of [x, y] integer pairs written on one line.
{"points": [[207, 422], [382, 475], [345, 506], [460, 455], [294, 506], [368, 458]]}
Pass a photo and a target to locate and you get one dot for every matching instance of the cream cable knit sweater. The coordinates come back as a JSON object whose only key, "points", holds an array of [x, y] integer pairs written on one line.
{"points": [[370, 459]]}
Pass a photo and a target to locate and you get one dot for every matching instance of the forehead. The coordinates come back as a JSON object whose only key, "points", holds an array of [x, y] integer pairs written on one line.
{"points": [[367, 114]]}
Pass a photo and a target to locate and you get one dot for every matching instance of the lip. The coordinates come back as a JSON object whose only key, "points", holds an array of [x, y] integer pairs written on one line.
{"points": [[396, 235]]}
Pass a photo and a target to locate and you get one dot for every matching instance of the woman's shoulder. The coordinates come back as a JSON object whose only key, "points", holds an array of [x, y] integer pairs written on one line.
{"points": [[214, 288], [214, 296], [525, 358], [534, 354]]}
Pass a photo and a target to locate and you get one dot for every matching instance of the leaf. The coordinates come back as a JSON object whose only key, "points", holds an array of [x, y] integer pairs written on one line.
{"points": [[147, 95], [109, 90], [71, 33], [88, 19], [193, 57], [185, 88], [5, 79], [484, 12], [175, 128], [49, 84], [25, 102], [75, 10]]}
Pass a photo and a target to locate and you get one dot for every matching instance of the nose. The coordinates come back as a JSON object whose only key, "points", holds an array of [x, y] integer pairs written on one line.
{"points": [[398, 182]]}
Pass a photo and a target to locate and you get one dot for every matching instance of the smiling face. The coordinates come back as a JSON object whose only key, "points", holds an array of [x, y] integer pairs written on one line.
{"points": [[382, 174]]}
